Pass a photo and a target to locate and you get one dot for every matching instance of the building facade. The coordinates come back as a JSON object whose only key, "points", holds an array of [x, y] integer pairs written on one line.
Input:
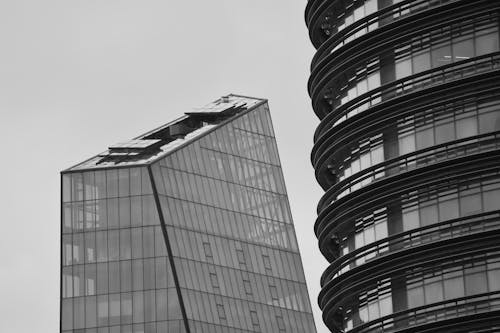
{"points": [[186, 228], [407, 151]]}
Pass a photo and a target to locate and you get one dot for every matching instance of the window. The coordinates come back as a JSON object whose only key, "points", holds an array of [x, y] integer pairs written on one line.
{"points": [[281, 323], [274, 294], [267, 263], [208, 251], [221, 313], [241, 258], [255, 320], [215, 282]]}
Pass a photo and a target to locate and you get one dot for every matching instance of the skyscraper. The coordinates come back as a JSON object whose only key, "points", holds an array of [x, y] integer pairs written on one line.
{"points": [[186, 228], [407, 151]]}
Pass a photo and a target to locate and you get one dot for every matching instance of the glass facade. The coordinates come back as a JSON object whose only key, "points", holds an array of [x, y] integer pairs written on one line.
{"points": [[199, 240], [407, 152], [116, 275]]}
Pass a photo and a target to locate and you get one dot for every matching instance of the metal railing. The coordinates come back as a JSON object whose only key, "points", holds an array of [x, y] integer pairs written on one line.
{"points": [[411, 161], [423, 80], [371, 22], [434, 312], [416, 237]]}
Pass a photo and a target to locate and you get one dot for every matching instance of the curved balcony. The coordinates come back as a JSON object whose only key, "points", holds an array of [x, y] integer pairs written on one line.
{"points": [[434, 154], [480, 311], [408, 153], [393, 35], [369, 23], [429, 258], [382, 193], [410, 239], [387, 93]]}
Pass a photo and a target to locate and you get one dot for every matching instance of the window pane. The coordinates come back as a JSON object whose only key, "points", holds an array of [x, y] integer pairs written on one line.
{"points": [[445, 133], [475, 283], [466, 127], [421, 62], [441, 56], [454, 288], [487, 42], [433, 292], [415, 297], [403, 68], [489, 122], [470, 204], [463, 49], [67, 314]]}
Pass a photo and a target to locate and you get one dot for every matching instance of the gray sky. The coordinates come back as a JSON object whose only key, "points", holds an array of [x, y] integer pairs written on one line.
{"points": [[78, 75]]}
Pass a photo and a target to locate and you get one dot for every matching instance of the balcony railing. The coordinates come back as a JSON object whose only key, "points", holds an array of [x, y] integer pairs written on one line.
{"points": [[435, 312], [420, 158], [416, 237], [423, 80], [371, 22]]}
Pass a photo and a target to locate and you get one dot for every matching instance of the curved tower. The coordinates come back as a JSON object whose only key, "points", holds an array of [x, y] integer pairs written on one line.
{"points": [[407, 151]]}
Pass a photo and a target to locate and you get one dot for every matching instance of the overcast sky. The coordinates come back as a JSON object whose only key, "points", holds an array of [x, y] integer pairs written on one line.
{"points": [[78, 75]]}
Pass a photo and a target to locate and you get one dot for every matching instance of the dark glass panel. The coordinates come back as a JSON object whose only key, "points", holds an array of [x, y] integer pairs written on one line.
{"points": [[137, 275], [136, 211], [114, 277], [463, 48], [125, 248], [475, 283], [135, 181], [102, 310], [126, 309], [124, 211], [149, 305], [148, 242], [146, 183], [123, 182], [161, 304], [90, 279], [67, 282], [487, 41], [114, 309], [67, 314], [489, 122], [114, 244], [125, 275], [137, 307], [78, 281], [136, 243], [78, 312], [90, 311], [112, 183], [101, 211], [149, 273], [90, 247], [102, 278], [441, 55], [100, 183], [102, 246], [66, 188], [67, 218], [113, 213], [89, 185]]}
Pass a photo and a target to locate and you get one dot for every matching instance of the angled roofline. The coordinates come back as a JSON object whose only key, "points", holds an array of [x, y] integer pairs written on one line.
{"points": [[260, 102]]}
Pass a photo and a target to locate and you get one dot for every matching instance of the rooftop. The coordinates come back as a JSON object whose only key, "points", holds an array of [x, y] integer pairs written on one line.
{"points": [[165, 139]]}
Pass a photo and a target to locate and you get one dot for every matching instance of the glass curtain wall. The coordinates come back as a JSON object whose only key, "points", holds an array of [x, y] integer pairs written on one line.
{"points": [[226, 211], [209, 221], [116, 275]]}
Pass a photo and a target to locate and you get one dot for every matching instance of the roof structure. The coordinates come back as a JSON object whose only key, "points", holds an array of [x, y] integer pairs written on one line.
{"points": [[167, 138]]}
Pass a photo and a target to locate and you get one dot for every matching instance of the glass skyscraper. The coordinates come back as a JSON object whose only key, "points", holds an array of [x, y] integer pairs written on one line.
{"points": [[186, 228], [408, 153]]}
